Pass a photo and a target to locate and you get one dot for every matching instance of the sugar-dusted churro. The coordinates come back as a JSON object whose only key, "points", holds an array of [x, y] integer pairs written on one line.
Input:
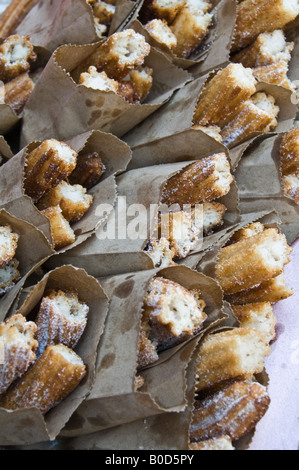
{"points": [[166, 9], [142, 80], [190, 27], [256, 115], [247, 232], [72, 200], [276, 73], [269, 48], [57, 372], [212, 131], [271, 291], [12, 16], [89, 170], [233, 411], [8, 244], [46, 166], [62, 233], [19, 346], [171, 314], [258, 16], [16, 56], [247, 263], [223, 94], [216, 443], [97, 80], [202, 181], [161, 32], [259, 315], [9, 275], [289, 164], [239, 352], [61, 319], [160, 251], [16, 92]]}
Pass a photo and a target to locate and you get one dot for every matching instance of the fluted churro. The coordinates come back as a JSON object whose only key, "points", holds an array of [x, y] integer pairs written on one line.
{"points": [[247, 263], [61, 319], [190, 27], [289, 164], [120, 54], [258, 16], [166, 9], [142, 80], [62, 233], [272, 291], [259, 315], [46, 166], [97, 80], [234, 411], [12, 16], [160, 251], [212, 131], [72, 200], [256, 115], [247, 232], [89, 170], [224, 356], [202, 181], [8, 244], [9, 275], [16, 92], [17, 337], [171, 313], [223, 94], [277, 74], [16, 56], [161, 32], [269, 48], [57, 372], [216, 443]]}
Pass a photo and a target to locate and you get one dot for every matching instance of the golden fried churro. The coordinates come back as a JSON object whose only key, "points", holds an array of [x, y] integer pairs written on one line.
{"points": [[161, 252], [16, 56], [171, 311], [57, 372], [190, 27], [16, 92], [8, 244], [61, 319], [162, 33], [258, 16], [272, 291], [224, 356], [97, 80], [166, 9], [89, 170], [289, 164], [202, 181], [233, 411], [12, 16], [46, 166], [213, 213], [212, 131], [61, 230], [72, 200], [247, 232], [120, 54], [142, 80], [17, 336], [256, 115], [216, 443], [269, 48], [9, 275], [259, 316], [249, 262], [147, 349], [104, 11], [277, 74], [223, 95]]}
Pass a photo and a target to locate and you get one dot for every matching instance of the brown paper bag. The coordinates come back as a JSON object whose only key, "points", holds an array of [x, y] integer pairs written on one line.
{"points": [[259, 164], [33, 250], [66, 109], [117, 247], [114, 399], [5, 151], [115, 156], [28, 426], [177, 115]]}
